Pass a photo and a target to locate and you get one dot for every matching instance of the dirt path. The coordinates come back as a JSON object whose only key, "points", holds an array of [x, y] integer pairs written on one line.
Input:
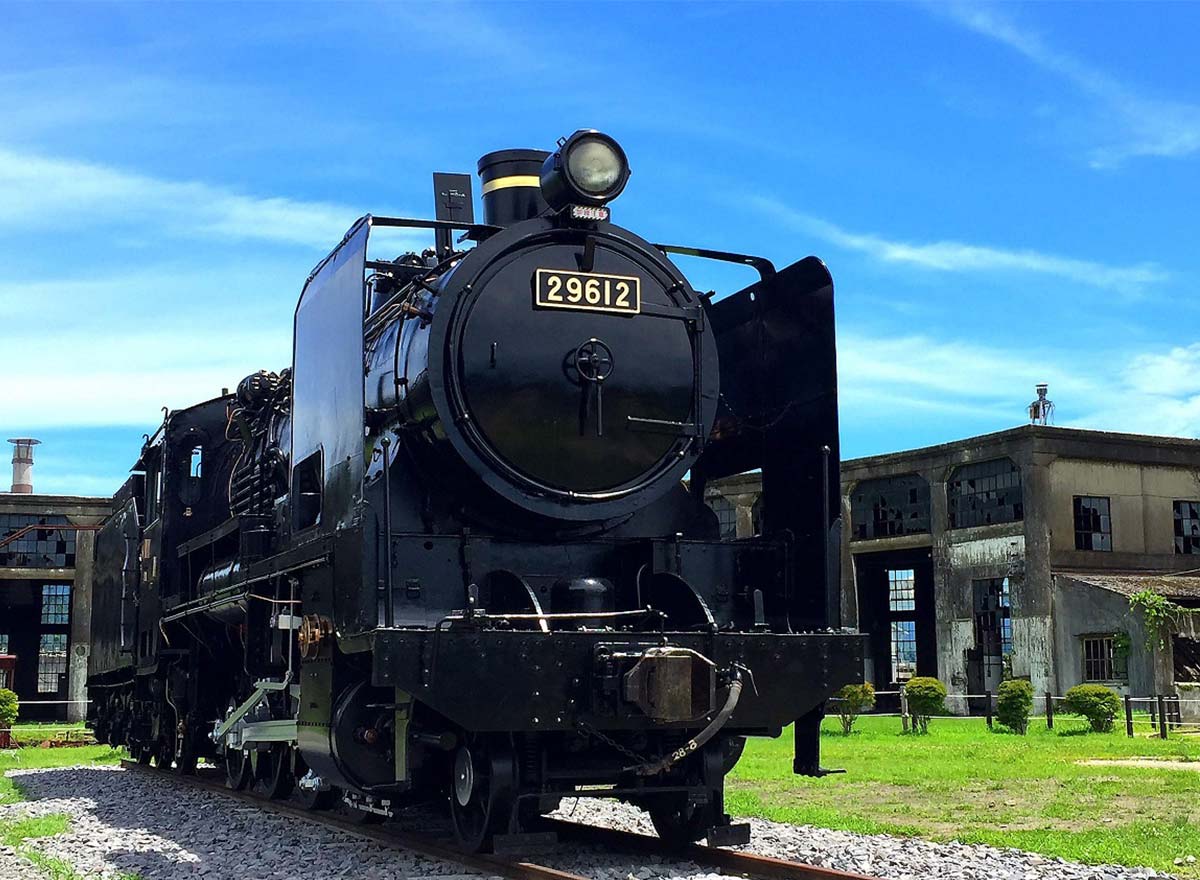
{"points": [[1153, 763]]}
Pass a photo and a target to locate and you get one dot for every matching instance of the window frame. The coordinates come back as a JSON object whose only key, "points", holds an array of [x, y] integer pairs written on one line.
{"points": [[1086, 535], [59, 608], [1185, 544], [1115, 665], [976, 506], [902, 612], [52, 664]]}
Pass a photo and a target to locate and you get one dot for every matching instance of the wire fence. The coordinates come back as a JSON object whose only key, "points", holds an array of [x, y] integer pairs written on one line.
{"points": [[1160, 713]]}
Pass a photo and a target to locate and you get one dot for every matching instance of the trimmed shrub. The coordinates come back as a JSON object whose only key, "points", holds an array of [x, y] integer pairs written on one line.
{"points": [[852, 701], [926, 697], [1014, 704], [8, 716], [1096, 703]]}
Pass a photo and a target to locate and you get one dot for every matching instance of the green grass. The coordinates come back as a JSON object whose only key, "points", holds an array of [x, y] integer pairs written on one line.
{"points": [[966, 783], [37, 758]]}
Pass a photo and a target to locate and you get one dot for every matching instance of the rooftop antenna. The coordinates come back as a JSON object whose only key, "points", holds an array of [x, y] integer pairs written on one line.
{"points": [[1041, 411], [22, 462]]}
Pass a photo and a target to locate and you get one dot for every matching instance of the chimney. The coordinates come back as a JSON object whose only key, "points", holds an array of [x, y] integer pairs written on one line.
{"points": [[22, 460]]}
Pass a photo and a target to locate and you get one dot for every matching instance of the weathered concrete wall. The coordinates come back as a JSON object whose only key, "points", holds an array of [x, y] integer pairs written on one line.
{"points": [[1081, 610]]}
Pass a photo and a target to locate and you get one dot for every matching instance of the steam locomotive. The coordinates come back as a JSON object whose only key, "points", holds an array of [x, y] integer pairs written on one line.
{"points": [[459, 551]]}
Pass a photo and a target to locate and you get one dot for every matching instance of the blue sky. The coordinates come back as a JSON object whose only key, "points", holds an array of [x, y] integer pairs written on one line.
{"points": [[1005, 194]]}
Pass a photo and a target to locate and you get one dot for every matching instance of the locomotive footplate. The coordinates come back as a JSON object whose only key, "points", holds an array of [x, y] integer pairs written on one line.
{"points": [[559, 681]]}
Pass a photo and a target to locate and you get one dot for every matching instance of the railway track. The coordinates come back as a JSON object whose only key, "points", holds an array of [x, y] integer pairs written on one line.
{"points": [[725, 861]]}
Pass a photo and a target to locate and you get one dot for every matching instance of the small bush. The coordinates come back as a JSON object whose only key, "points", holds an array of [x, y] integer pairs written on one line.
{"points": [[1096, 703], [852, 701], [8, 716], [926, 697], [1014, 704]]}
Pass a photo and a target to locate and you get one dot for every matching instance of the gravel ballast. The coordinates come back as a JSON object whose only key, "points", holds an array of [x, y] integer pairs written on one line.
{"points": [[125, 822]]}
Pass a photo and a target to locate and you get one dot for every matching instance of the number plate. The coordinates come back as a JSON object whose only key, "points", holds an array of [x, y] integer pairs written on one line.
{"points": [[587, 291]]}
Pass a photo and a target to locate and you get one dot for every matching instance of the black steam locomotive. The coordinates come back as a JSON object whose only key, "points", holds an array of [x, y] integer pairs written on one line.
{"points": [[460, 550]]}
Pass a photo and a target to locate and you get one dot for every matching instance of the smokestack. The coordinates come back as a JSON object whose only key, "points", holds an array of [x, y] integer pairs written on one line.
{"points": [[512, 189], [22, 460]]}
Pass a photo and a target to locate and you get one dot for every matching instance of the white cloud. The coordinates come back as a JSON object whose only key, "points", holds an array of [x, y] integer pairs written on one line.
{"points": [[894, 379], [956, 256], [44, 192], [1148, 126]]}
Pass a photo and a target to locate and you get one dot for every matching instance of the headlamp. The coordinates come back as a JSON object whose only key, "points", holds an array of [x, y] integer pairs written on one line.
{"points": [[589, 168]]}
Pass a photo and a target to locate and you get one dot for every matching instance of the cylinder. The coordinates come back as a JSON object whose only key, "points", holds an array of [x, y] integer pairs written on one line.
{"points": [[512, 190], [22, 465]]}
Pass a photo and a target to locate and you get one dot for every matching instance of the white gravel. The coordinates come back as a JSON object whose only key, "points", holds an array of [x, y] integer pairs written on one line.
{"points": [[131, 823], [876, 855]]}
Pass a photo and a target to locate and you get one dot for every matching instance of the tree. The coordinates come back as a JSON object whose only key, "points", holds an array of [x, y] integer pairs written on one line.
{"points": [[852, 701], [926, 698]]}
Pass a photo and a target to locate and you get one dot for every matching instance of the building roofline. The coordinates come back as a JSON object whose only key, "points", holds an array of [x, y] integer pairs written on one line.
{"points": [[41, 498], [1052, 433]]}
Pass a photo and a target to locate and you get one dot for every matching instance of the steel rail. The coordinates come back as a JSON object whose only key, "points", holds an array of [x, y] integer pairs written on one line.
{"points": [[729, 861], [733, 862], [513, 869]]}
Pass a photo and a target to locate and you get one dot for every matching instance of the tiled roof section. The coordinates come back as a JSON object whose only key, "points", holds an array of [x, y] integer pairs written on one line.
{"points": [[1171, 586]]}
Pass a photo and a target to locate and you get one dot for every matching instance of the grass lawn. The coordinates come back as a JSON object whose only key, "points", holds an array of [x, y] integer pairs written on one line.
{"points": [[14, 832], [964, 782]]}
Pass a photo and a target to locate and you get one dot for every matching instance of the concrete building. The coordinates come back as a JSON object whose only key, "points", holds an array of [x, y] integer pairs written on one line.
{"points": [[46, 594], [1016, 554]]}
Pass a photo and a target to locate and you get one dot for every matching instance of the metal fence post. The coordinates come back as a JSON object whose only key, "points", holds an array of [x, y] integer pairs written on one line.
{"points": [[987, 701], [1049, 711], [1128, 716], [904, 708], [1162, 717]]}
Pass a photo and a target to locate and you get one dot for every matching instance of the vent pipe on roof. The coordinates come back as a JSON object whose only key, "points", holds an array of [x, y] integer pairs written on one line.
{"points": [[22, 461]]}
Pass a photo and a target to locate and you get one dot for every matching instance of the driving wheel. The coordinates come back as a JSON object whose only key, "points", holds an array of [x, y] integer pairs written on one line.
{"points": [[238, 772], [276, 772], [482, 791]]}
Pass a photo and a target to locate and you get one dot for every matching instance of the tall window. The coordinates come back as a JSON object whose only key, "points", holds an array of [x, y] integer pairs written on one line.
{"points": [[56, 604], [902, 593], [884, 508], [3, 643], [1187, 527], [1093, 523], [52, 661], [726, 515], [1100, 659], [902, 604], [993, 616], [985, 493]]}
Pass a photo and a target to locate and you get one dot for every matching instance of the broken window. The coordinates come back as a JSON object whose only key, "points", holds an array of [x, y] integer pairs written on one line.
{"points": [[985, 493], [1100, 659], [1093, 523], [888, 507], [29, 546], [1187, 527], [993, 617], [52, 662], [726, 516]]}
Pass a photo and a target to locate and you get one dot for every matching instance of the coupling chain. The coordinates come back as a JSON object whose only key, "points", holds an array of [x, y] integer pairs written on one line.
{"points": [[609, 741]]}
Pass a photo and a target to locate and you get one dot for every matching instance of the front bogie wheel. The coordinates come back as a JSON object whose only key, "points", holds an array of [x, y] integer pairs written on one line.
{"points": [[482, 791], [678, 821]]}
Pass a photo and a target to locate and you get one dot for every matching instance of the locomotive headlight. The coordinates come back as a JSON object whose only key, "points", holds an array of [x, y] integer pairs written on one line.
{"points": [[589, 168]]}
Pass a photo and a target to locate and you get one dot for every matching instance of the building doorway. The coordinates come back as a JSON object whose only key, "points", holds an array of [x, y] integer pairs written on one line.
{"points": [[896, 611], [988, 659]]}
